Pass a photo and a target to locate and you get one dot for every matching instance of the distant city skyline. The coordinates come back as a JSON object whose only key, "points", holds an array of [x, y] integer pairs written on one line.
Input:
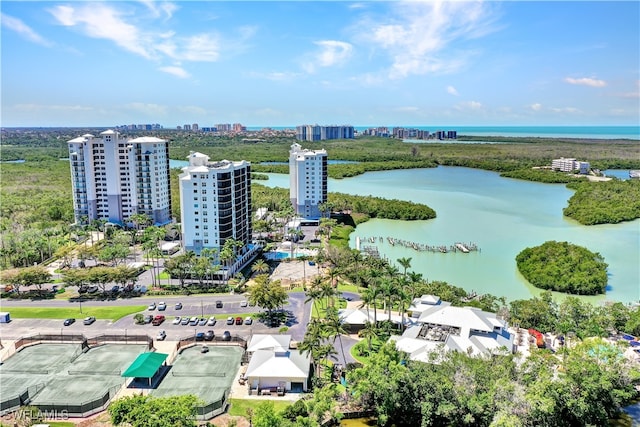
{"points": [[104, 64]]}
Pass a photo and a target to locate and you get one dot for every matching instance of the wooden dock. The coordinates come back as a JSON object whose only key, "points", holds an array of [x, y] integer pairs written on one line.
{"points": [[464, 248]]}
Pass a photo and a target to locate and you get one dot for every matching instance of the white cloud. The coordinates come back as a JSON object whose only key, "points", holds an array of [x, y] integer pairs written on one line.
{"points": [[160, 8], [176, 71], [103, 22], [23, 29], [419, 36], [198, 48], [452, 91], [586, 81], [275, 75], [330, 53], [536, 106], [570, 110], [469, 105], [407, 109], [51, 107]]}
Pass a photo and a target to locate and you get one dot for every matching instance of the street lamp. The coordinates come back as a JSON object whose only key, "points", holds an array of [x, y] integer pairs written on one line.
{"points": [[201, 308], [80, 305]]}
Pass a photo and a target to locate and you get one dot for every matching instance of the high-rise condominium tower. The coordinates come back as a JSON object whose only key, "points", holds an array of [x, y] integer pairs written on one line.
{"points": [[215, 203], [114, 178], [307, 180]]}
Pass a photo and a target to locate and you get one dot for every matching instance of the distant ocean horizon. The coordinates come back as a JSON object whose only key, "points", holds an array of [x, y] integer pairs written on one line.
{"points": [[593, 132]]}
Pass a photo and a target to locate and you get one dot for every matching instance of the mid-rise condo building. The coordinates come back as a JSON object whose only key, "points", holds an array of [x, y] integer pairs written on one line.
{"points": [[569, 165], [307, 180], [114, 178]]}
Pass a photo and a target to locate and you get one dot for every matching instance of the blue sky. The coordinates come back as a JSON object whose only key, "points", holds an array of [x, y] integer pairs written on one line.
{"points": [[287, 63]]}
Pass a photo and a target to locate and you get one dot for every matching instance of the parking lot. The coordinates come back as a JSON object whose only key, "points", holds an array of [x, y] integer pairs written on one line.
{"points": [[192, 306]]}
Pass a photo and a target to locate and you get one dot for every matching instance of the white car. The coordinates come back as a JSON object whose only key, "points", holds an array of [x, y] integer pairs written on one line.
{"points": [[248, 320], [243, 303], [152, 306], [161, 336], [177, 320], [212, 321], [162, 306]]}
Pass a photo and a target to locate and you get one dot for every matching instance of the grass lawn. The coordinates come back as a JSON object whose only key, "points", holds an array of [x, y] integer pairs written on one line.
{"points": [[318, 310], [239, 406], [108, 312]]}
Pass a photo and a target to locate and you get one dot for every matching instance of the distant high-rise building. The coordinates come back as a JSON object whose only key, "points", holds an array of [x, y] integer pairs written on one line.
{"points": [[215, 203], [307, 180], [195, 127], [115, 178], [322, 133]]}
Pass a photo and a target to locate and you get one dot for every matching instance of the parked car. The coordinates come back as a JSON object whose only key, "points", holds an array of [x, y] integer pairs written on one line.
{"points": [[148, 318], [185, 320], [193, 321], [226, 336], [157, 321], [92, 289], [243, 303], [152, 306], [212, 321], [89, 320], [238, 320], [248, 320], [162, 306], [161, 335], [68, 322], [115, 289], [208, 336], [229, 320], [200, 336], [204, 349], [202, 321], [177, 320], [178, 306], [218, 304]]}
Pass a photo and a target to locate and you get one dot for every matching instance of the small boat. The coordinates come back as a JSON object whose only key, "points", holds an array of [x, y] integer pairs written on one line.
{"points": [[634, 174]]}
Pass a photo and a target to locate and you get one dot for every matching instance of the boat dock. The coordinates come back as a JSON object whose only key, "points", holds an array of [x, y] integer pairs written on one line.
{"points": [[464, 248]]}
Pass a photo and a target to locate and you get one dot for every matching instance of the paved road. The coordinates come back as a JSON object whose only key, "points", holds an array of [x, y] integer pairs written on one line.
{"points": [[195, 305]]}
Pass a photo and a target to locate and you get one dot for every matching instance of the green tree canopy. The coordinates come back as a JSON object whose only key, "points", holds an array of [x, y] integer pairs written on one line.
{"points": [[563, 267]]}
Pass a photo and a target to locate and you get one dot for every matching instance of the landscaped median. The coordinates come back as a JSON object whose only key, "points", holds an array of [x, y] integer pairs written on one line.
{"points": [[106, 313]]}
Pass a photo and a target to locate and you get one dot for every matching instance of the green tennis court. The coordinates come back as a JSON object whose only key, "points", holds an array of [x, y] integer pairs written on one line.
{"points": [[63, 375], [206, 375]]}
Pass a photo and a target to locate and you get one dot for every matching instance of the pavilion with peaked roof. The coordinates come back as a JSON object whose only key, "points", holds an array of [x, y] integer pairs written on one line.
{"points": [[147, 365]]}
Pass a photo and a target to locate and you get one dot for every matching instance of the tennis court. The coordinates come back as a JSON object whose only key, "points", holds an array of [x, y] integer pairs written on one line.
{"points": [[90, 376], [64, 377], [26, 372], [207, 375]]}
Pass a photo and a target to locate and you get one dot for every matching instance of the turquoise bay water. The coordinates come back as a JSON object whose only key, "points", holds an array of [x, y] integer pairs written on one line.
{"points": [[502, 216]]}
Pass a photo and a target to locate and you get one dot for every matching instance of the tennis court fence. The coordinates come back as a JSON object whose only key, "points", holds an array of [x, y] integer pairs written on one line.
{"points": [[84, 409], [13, 403]]}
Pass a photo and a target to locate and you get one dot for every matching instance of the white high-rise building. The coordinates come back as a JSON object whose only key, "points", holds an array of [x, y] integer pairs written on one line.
{"points": [[115, 178], [216, 205], [307, 180]]}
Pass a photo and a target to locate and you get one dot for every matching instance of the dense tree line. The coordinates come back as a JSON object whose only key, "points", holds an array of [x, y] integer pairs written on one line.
{"points": [[574, 316], [607, 202], [542, 175], [563, 267], [588, 385]]}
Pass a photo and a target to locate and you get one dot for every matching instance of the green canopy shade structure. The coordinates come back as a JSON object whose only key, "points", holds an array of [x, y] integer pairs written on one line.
{"points": [[146, 365]]}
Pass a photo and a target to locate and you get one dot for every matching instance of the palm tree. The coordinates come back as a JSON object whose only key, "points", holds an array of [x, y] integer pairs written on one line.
{"points": [[388, 288], [369, 332], [313, 293], [335, 328], [405, 263], [260, 267]]}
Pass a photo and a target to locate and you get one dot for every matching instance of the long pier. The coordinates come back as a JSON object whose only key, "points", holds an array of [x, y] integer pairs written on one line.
{"points": [[464, 248]]}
